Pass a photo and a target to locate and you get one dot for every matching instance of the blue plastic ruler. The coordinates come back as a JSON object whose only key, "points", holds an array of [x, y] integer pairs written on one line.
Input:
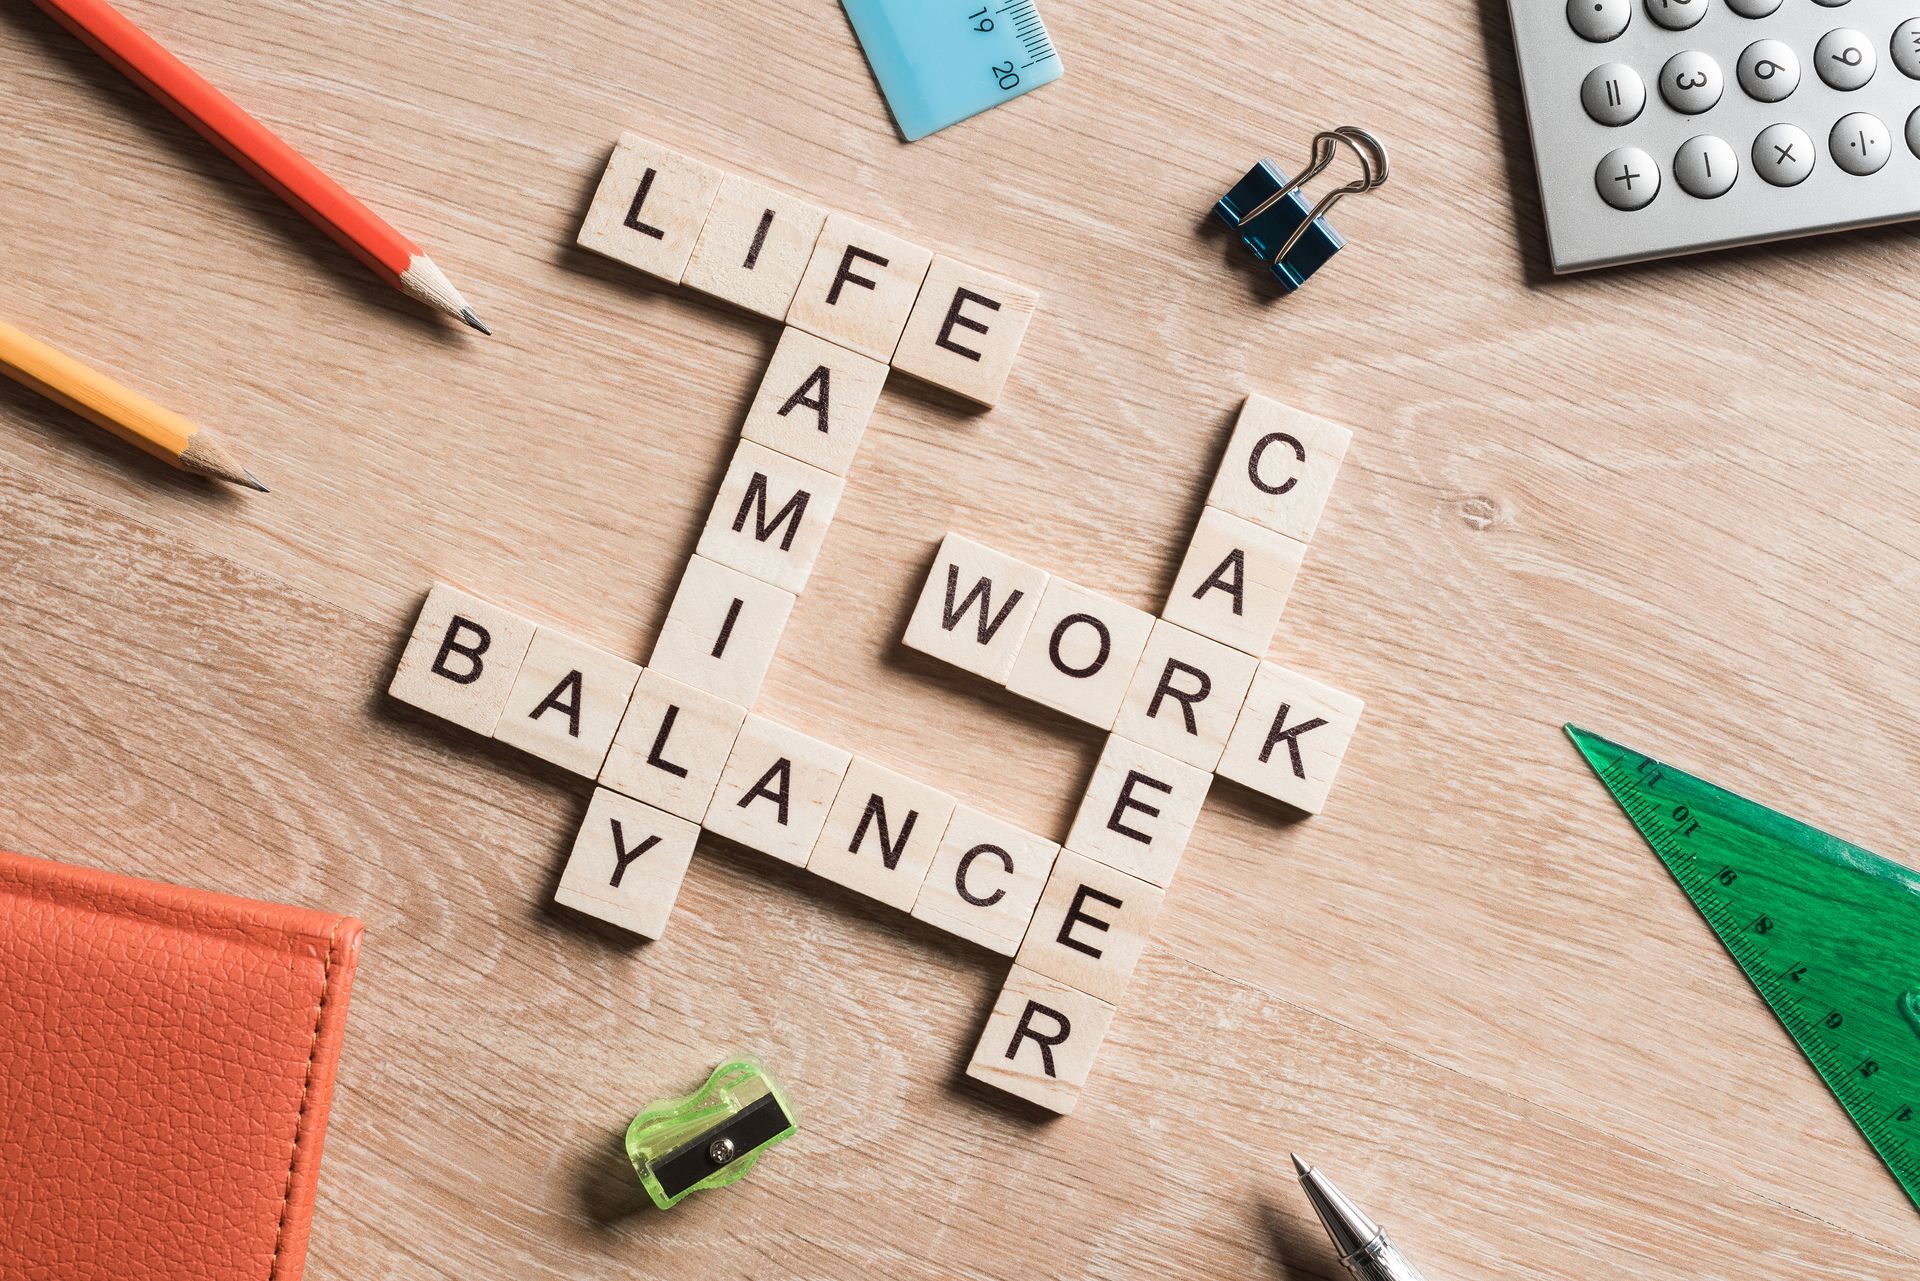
{"points": [[940, 61]]}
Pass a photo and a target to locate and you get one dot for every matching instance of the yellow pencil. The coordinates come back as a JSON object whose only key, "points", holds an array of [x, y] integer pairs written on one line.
{"points": [[127, 414]]}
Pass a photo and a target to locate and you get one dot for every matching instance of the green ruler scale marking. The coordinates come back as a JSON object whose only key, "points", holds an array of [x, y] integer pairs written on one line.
{"points": [[1828, 933]]}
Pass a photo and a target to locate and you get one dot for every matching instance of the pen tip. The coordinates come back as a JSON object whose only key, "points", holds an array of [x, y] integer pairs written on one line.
{"points": [[467, 315], [1300, 1167], [254, 482]]}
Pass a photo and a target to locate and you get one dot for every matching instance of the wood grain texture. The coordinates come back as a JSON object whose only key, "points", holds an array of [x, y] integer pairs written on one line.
{"points": [[1678, 503]]}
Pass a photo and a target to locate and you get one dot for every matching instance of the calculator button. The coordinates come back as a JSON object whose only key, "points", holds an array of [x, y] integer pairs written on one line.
{"points": [[1829, 4], [1690, 82], [1705, 166], [1613, 93], [1844, 59], [1913, 132], [1906, 48], [1677, 15], [1859, 143], [1754, 8], [1627, 178], [1783, 155], [1598, 20], [1768, 70]]}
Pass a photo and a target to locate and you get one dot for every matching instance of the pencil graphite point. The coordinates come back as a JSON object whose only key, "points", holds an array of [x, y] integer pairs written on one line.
{"points": [[467, 315], [207, 454]]}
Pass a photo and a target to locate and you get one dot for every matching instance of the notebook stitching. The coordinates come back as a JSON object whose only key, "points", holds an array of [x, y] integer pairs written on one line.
{"points": [[306, 1088]]}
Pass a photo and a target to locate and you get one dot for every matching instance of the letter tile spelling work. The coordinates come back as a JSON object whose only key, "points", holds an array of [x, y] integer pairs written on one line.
{"points": [[677, 748]]}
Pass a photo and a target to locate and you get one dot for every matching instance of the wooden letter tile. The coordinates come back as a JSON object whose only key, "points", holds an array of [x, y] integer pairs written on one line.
{"points": [[1234, 581], [671, 746], [985, 880], [815, 401], [567, 702], [965, 330], [1290, 738], [881, 834], [859, 287], [771, 516], [776, 789], [1185, 695], [1139, 811], [721, 631], [1041, 1040], [627, 863], [650, 207], [1091, 926], [754, 246], [1279, 467], [975, 608], [462, 658], [1079, 655]]}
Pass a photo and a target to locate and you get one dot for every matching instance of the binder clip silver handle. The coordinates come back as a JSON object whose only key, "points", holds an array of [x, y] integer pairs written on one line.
{"points": [[1271, 214], [1367, 149]]}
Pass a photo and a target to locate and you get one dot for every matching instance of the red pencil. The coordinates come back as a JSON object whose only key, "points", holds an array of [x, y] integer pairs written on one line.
{"points": [[259, 151]]}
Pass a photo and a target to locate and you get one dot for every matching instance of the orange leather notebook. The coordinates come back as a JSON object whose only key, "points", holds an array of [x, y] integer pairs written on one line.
{"points": [[166, 1060]]}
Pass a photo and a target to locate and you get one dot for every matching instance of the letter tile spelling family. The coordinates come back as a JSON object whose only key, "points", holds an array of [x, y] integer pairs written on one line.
{"points": [[677, 748]]}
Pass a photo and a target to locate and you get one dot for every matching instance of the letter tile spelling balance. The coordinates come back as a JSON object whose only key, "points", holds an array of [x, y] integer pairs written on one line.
{"points": [[675, 747]]}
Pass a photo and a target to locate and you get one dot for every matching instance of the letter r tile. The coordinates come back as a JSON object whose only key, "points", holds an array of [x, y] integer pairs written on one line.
{"points": [[1041, 1040]]}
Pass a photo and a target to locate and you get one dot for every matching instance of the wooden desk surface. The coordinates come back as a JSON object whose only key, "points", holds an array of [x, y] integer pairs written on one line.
{"points": [[1679, 504]]}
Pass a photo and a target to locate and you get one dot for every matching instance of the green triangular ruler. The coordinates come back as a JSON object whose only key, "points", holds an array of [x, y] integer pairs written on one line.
{"points": [[1828, 933]]}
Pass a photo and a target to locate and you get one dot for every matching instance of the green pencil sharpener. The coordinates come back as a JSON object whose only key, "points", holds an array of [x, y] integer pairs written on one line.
{"points": [[712, 1137]]}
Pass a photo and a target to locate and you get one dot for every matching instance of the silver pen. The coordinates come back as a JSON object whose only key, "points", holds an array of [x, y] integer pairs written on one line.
{"points": [[1362, 1246]]}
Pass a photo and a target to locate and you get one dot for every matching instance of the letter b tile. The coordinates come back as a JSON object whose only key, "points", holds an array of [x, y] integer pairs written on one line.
{"points": [[462, 659]]}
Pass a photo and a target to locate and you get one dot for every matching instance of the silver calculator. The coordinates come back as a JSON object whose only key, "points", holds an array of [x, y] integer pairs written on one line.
{"points": [[1670, 126]]}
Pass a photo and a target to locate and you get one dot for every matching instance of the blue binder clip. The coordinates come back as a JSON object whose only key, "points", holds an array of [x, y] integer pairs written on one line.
{"points": [[1273, 219]]}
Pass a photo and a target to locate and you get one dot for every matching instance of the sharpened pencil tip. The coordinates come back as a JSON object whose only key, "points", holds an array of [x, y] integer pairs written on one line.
{"points": [[254, 481], [467, 315]]}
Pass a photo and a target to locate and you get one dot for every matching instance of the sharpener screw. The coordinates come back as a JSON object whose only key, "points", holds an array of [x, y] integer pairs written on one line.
{"points": [[720, 1151]]}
